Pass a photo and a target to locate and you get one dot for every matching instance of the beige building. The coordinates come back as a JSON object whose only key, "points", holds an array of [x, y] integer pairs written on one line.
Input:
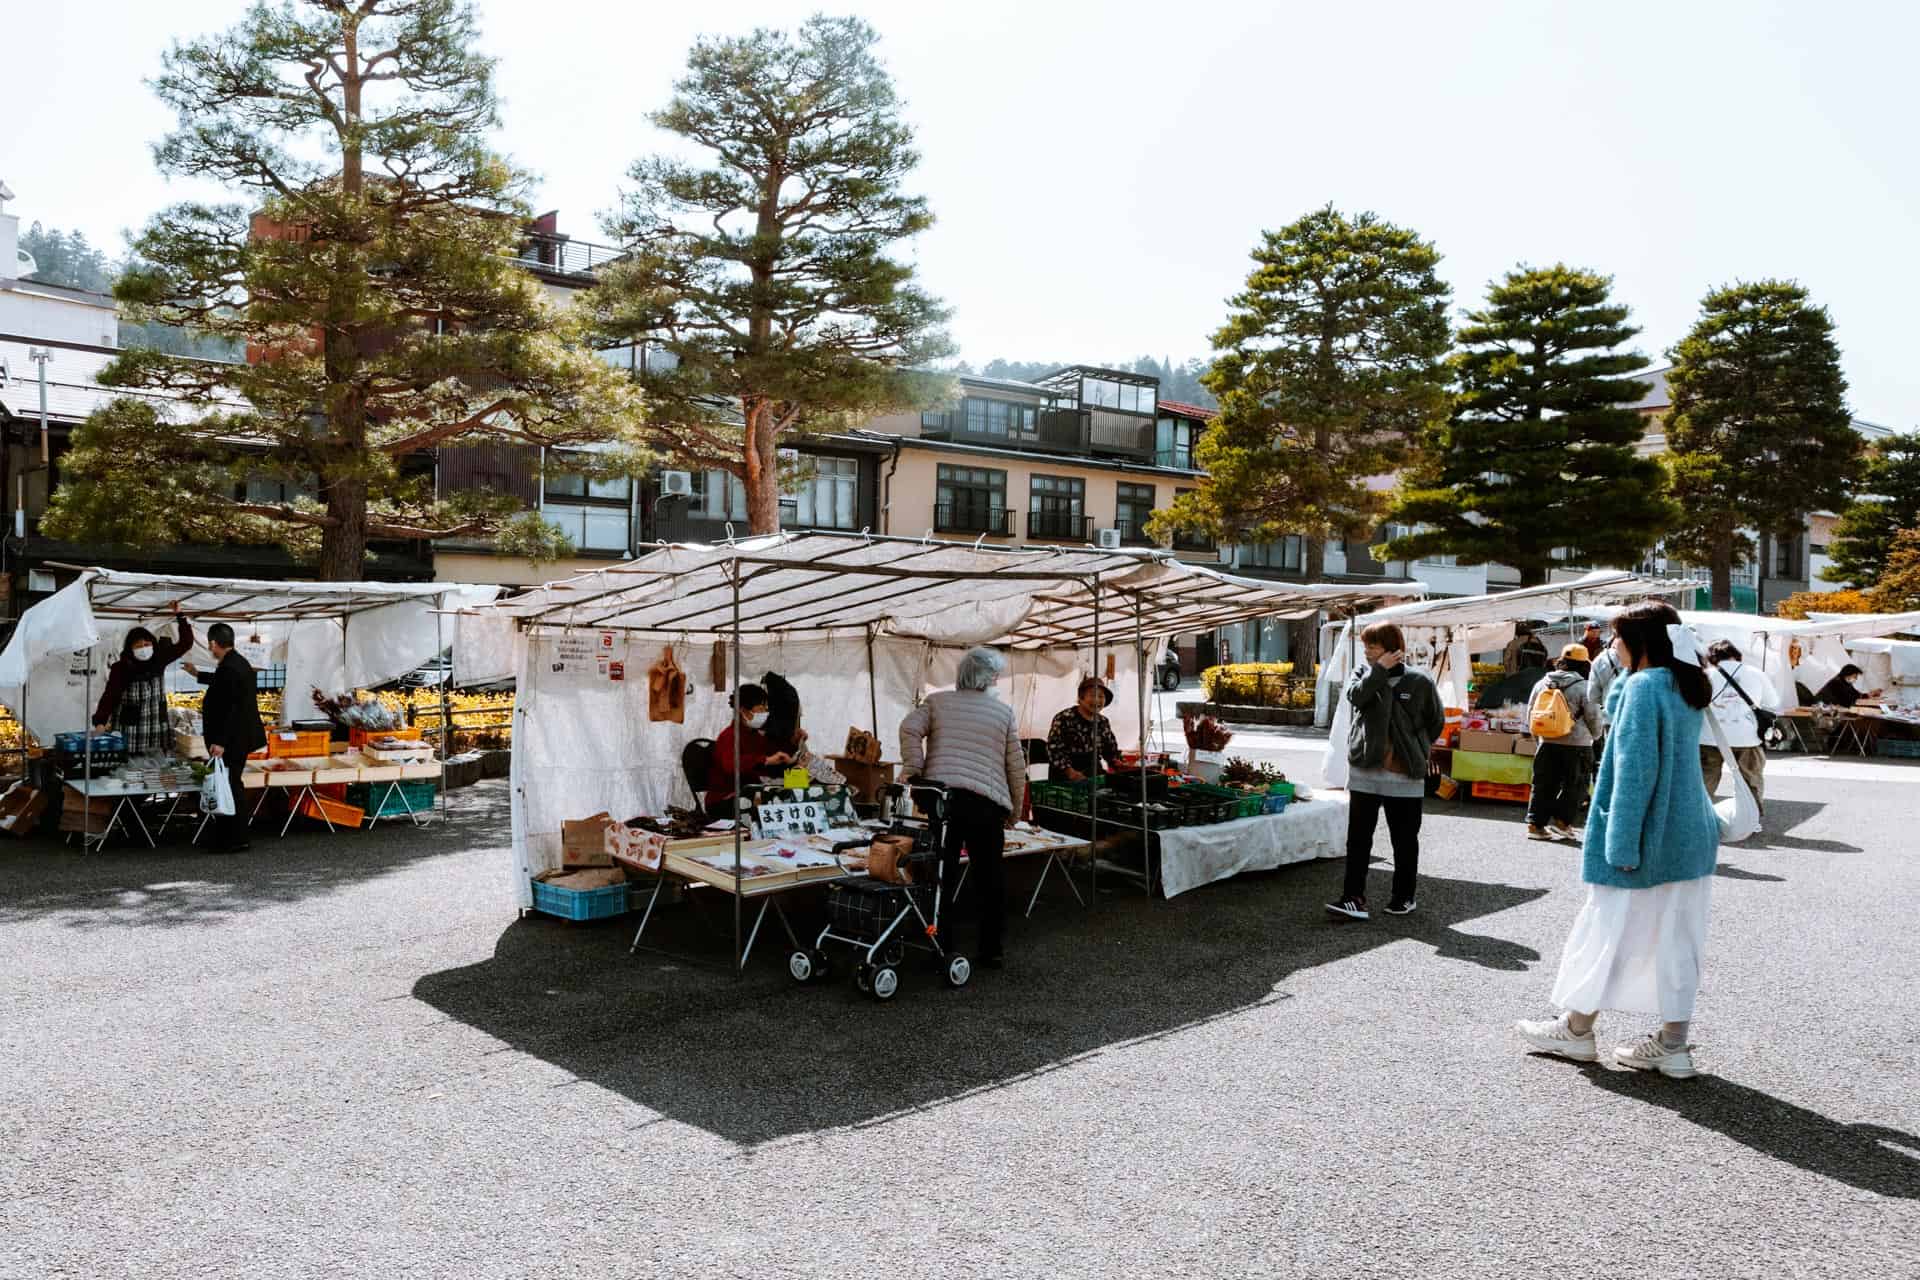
{"points": [[1083, 457]]}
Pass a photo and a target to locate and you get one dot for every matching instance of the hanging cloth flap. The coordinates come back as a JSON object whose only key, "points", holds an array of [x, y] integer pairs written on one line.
{"points": [[667, 690]]}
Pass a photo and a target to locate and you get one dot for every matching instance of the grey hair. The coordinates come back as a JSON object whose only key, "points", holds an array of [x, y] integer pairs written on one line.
{"points": [[980, 668]]}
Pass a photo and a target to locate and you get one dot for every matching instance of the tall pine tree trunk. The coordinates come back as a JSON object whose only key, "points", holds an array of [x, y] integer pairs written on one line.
{"points": [[762, 479], [1722, 566], [343, 546], [1303, 634]]}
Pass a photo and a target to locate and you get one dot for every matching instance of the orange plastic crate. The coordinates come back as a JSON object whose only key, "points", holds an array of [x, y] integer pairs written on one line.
{"points": [[297, 742], [337, 812], [1516, 791]]}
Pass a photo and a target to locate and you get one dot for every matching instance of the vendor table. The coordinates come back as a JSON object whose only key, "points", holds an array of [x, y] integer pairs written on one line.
{"points": [[709, 861], [1303, 831], [1793, 724], [127, 797]]}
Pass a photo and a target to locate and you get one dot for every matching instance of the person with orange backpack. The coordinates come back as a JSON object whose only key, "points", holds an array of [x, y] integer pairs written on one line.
{"points": [[1564, 718]]}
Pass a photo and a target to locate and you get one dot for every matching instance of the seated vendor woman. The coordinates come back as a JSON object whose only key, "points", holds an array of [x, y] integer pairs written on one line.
{"points": [[1843, 690], [135, 699], [1080, 739], [745, 737]]}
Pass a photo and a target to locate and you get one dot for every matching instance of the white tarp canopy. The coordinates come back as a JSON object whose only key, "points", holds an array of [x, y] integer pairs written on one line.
{"points": [[1444, 634], [862, 627], [1811, 652], [331, 635]]}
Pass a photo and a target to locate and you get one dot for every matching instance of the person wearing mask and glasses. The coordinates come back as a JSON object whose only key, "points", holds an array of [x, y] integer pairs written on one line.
{"points": [[746, 738]]}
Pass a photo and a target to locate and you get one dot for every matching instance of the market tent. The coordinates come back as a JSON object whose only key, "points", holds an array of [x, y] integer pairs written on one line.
{"points": [[1444, 634], [862, 625], [333, 635], [1806, 652]]}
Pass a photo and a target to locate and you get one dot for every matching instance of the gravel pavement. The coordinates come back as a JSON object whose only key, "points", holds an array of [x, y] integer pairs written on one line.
{"points": [[346, 1056]]}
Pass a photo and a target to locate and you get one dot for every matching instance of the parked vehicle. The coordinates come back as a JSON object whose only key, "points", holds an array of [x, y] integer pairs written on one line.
{"points": [[1167, 675]]}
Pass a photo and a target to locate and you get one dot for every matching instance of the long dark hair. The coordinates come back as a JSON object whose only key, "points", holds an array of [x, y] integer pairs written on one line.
{"points": [[1643, 629], [134, 636]]}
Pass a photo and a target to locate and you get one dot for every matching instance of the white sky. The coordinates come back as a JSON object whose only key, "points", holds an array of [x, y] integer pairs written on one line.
{"points": [[1100, 170]]}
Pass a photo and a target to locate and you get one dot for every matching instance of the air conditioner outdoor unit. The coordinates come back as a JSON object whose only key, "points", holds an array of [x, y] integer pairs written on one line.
{"points": [[1109, 539], [676, 484]]}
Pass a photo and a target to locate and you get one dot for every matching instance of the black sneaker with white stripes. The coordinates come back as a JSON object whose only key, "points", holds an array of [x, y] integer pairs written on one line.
{"points": [[1349, 909], [1400, 908]]}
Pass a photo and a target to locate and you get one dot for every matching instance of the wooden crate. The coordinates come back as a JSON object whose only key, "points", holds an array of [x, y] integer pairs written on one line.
{"points": [[331, 769]]}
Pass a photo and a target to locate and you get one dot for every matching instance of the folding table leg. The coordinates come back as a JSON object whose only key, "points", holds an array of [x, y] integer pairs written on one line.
{"points": [[647, 915], [142, 824], [755, 932]]}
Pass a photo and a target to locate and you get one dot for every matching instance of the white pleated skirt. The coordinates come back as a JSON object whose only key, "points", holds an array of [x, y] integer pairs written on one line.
{"points": [[1637, 951]]}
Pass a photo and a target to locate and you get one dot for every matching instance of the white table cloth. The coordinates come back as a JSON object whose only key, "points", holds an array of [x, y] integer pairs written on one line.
{"points": [[1193, 856]]}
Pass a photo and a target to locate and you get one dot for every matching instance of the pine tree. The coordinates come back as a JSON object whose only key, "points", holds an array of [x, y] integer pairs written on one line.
{"points": [[1330, 368], [369, 272], [1888, 501], [768, 277], [1537, 465], [1759, 434], [1897, 590]]}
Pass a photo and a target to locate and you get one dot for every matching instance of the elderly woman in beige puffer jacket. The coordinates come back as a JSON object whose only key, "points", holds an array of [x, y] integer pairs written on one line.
{"points": [[966, 739]]}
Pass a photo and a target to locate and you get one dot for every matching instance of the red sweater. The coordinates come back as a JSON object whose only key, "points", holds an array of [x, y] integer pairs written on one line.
{"points": [[754, 750]]}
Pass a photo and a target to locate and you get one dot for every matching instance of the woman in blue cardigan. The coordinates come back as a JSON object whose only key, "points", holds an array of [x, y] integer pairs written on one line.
{"points": [[1651, 841]]}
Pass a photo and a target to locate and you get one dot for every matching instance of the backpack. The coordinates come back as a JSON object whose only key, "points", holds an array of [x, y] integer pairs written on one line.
{"points": [[1550, 716]]}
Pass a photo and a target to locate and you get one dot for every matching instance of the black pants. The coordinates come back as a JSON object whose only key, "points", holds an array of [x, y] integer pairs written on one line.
{"points": [[228, 832], [1559, 783], [1403, 824], [980, 826]]}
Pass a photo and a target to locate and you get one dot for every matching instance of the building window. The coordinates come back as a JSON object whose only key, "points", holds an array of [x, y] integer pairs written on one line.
{"points": [[1056, 508], [1130, 515], [828, 500], [718, 495], [574, 487], [1288, 554], [1786, 557], [970, 500], [1173, 441]]}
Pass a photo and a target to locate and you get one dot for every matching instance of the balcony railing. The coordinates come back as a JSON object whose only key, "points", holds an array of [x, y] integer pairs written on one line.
{"points": [[1182, 458], [1188, 540], [1133, 531], [1059, 523], [1053, 431], [565, 257], [967, 517]]}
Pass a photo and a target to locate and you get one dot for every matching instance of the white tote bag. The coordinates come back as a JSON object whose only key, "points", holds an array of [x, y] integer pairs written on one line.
{"points": [[216, 793], [1739, 814]]}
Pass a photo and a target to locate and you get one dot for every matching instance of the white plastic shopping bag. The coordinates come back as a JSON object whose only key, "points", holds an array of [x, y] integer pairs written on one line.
{"points": [[216, 793], [1740, 814]]}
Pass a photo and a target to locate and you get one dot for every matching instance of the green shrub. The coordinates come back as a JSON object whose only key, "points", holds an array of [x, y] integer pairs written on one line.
{"points": [[1258, 684]]}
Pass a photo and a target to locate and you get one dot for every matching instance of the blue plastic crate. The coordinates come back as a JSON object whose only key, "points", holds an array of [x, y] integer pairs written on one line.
{"points": [[1902, 748], [580, 904], [1276, 803]]}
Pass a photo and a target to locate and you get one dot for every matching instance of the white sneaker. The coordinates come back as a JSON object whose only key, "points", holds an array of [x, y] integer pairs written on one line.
{"points": [[1653, 1054], [1553, 1035]]}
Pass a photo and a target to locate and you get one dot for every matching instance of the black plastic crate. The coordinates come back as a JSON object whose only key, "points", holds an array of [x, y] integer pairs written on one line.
{"points": [[1133, 786]]}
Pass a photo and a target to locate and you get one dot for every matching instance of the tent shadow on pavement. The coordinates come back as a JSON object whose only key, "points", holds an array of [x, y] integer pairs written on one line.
{"points": [[1868, 1157], [1784, 816], [755, 1060], [178, 884]]}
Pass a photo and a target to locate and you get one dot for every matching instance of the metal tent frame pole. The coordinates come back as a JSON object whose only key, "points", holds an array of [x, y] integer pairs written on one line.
{"points": [[1140, 688], [1093, 778], [446, 708], [739, 956]]}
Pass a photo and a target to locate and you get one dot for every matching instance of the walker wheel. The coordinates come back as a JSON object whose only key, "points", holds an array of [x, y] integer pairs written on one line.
{"points": [[886, 981], [896, 952], [863, 977], [820, 966], [801, 966], [959, 969]]}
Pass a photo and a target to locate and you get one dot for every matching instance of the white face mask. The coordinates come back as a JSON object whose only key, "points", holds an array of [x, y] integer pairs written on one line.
{"points": [[756, 720], [141, 652]]}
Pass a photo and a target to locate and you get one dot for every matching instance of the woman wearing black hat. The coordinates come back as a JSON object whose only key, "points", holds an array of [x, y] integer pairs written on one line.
{"points": [[1080, 737]]}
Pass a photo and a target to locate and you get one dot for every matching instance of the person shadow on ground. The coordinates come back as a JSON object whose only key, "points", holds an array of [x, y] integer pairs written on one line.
{"points": [[1869, 1157]]}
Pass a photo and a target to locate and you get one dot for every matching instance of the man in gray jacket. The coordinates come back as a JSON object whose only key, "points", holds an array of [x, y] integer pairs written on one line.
{"points": [[1396, 718]]}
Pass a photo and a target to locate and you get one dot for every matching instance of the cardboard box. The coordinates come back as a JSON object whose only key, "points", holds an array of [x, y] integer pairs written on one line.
{"points": [[1487, 741], [21, 809], [865, 778], [1526, 746], [78, 813], [862, 746], [583, 842]]}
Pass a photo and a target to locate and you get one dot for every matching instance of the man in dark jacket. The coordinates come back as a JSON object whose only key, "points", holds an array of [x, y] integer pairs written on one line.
{"points": [[1396, 718], [230, 721]]}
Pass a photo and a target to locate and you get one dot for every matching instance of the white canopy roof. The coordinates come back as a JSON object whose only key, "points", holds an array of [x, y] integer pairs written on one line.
{"points": [[1601, 587], [946, 592], [331, 635]]}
